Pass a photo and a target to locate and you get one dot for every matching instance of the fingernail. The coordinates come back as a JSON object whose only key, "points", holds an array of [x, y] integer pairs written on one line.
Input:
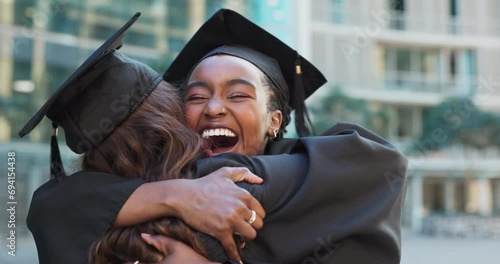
{"points": [[241, 262], [145, 235]]}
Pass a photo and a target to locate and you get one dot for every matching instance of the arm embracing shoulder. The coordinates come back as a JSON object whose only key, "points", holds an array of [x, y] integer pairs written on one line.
{"points": [[283, 174]]}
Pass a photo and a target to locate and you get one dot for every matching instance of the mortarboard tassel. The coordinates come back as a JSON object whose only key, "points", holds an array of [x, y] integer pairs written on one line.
{"points": [[298, 100], [56, 166]]}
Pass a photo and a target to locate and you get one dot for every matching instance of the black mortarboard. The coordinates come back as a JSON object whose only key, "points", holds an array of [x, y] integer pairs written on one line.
{"points": [[227, 32], [97, 97]]}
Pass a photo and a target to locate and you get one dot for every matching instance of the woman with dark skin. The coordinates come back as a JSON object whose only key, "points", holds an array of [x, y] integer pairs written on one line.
{"points": [[386, 212]]}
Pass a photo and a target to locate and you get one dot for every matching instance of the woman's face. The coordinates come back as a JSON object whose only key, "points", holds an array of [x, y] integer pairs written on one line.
{"points": [[227, 103]]}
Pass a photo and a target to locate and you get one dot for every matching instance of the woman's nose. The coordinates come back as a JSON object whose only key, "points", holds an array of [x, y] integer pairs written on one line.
{"points": [[215, 109]]}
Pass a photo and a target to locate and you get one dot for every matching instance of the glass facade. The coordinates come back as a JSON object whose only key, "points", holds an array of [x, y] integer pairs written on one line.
{"points": [[443, 71]]}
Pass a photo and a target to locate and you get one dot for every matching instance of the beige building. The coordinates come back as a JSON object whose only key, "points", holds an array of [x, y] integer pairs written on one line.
{"points": [[408, 56]]}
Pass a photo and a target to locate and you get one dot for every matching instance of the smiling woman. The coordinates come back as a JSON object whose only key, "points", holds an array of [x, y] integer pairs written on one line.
{"points": [[239, 79], [236, 102]]}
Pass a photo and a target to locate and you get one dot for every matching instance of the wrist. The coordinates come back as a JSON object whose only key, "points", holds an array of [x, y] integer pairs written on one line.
{"points": [[173, 196]]}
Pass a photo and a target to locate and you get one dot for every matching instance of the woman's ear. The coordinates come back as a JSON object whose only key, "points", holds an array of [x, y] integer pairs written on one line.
{"points": [[276, 119], [275, 123]]}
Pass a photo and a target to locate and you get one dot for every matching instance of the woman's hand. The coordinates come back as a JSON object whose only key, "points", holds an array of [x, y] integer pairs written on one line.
{"points": [[175, 251], [216, 206], [212, 204]]}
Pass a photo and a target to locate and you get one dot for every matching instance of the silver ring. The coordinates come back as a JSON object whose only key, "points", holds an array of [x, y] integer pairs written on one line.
{"points": [[252, 218]]}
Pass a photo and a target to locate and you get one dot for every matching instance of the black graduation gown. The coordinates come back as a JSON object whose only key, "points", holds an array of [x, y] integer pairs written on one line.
{"points": [[338, 200]]}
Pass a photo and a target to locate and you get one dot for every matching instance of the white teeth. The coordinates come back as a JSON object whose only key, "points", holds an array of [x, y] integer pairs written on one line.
{"points": [[217, 132]]}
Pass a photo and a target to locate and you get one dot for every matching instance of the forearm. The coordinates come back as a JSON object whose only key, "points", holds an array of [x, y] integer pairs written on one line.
{"points": [[170, 198], [150, 201]]}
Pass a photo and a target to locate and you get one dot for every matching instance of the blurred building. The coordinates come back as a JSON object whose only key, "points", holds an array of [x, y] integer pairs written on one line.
{"points": [[408, 56]]}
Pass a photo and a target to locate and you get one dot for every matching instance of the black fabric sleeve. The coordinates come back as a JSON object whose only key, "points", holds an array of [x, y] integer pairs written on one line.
{"points": [[337, 199], [283, 174], [66, 216], [283, 177]]}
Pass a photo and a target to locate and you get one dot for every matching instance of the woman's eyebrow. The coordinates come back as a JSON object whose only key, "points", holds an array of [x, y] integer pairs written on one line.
{"points": [[197, 83], [241, 81]]}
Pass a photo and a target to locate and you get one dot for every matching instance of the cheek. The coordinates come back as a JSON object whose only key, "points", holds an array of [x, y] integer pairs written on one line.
{"points": [[254, 115], [192, 116], [257, 123]]}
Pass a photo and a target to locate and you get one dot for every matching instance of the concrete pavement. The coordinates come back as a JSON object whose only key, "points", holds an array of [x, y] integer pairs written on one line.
{"points": [[419, 249]]}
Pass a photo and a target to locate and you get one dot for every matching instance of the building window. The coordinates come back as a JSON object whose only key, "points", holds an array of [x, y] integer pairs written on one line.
{"points": [[453, 8], [453, 64], [496, 196], [141, 38], [177, 14], [408, 120], [411, 69], [460, 195], [405, 119], [397, 8], [429, 70], [66, 17], [22, 10], [434, 196], [454, 24], [337, 11], [331, 11]]}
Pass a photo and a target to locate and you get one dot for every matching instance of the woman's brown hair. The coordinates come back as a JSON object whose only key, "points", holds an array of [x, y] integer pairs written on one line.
{"points": [[153, 143]]}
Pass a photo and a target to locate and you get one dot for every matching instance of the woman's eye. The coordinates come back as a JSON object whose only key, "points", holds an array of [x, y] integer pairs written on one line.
{"points": [[195, 98], [238, 96]]}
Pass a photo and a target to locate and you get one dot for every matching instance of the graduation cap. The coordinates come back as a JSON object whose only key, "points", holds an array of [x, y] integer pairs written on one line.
{"points": [[96, 98], [228, 32]]}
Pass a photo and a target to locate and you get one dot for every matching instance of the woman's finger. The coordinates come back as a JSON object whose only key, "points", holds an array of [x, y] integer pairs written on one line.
{"points": [[230, 247], [161, 243], [239, 174]]}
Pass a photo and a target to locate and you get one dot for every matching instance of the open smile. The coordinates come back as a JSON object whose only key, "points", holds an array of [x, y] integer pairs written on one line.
{"points": [[218, 140]]}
